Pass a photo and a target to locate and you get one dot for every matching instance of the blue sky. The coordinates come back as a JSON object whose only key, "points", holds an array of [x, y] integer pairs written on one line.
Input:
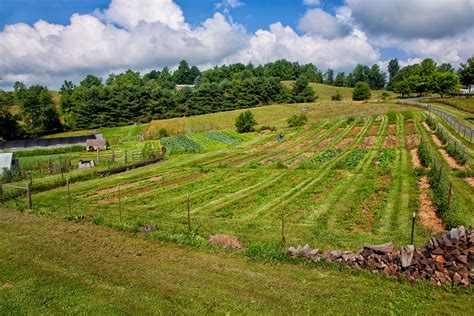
{"points": [[114, 35]]}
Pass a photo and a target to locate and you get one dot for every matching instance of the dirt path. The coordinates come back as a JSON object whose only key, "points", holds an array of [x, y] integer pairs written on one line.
{"points": [[415, 159], [452, 163], [427, 216]]}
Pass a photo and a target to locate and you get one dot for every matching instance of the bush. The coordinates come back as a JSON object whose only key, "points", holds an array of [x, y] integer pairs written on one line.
{"points": [[297, 120], [245, 122], [361, 91], [337, 96], [424, 153], [267, 128], [163, 133], [385, 96], [392, 116]]}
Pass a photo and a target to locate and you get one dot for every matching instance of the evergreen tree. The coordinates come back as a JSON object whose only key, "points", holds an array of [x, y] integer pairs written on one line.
{"points": [[340, 79], [302, 92]]}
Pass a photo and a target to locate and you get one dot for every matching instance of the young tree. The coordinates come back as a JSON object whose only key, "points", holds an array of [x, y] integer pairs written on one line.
{"points": [[361, 91], [393, 69], [245, 122], [329, 77], [376, 78], [466, 73], [446, 83], [302, 92], [340, 78]]}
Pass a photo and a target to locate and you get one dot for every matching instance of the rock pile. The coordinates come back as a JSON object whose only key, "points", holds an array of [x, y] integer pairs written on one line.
{"points": [[305, 252], [447, 259]]}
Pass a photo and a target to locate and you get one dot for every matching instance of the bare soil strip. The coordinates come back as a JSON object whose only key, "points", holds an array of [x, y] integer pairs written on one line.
{"points": [[412, 141], [452, 163], [392, 129], [273, 158], [415, 160], [344, 143], [436, 140], [373, 130], [355, 131], [368, 142], [410, 128], [470, 181], [115, 188], [389, 141], [324, 143], [427, 127], [427, 216]]}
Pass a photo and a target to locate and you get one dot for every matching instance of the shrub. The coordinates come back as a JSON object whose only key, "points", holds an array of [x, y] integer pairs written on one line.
{"points": [[424, 153], [245, 122], [297, 120], [163, 133], [392, 116], [385, 96], [361, 91], [337, 96], [267, 128]]}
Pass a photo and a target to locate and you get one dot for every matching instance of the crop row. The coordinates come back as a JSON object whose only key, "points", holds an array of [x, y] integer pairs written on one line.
{"points": [[180, 144], [223, 138], [453, 148]]}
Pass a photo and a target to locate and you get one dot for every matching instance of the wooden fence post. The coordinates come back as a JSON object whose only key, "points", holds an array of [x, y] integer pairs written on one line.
{"points": [[1, 194], [413, 229], [28, 197], [69, 197], [449, 195], [189, 212], [50, 167], [120, 204], [97, 156], [125, 157], [283, 221], [113, 155]]}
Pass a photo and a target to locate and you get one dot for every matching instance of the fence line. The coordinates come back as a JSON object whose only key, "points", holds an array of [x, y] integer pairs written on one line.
{"points": [[462, 130]]}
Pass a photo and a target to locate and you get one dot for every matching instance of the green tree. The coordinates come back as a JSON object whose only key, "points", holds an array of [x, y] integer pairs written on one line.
{"points": [[182, 75], [361, 91], [376, 78], [393, 69], [446, 83], [9, 127], [466, 73], [302, 92], [38, 110], [245, 122], [329, 77], [340, 78]]}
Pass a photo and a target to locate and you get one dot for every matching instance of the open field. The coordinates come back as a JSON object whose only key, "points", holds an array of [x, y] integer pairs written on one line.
{"points": [[462, 104], [83, 268]]}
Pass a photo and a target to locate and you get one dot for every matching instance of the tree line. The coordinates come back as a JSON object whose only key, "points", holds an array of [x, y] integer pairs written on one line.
{"points": [[130, 97]]}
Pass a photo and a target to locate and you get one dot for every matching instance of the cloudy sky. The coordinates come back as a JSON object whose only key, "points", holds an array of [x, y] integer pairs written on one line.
{"points": [[49, 41]]}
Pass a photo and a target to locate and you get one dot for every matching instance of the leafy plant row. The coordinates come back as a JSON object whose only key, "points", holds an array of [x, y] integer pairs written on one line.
{"points": [[352, 160], [441, 187], [454, 148], [223, 138], [180, 144], [324, 157]]}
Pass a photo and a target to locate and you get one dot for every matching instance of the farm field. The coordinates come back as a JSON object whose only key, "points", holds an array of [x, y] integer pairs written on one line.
{"points": [[343, 183]]}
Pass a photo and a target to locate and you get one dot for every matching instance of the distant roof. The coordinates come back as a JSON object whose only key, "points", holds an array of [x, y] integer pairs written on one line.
{"points": [[47, 142], [5, 161]]}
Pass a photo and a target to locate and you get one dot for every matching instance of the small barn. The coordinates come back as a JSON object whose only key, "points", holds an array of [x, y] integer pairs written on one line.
{"points": [[6, 162]]}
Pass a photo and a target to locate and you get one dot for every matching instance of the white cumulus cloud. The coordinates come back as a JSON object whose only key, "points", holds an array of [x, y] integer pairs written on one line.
{"points": [[321, 23]]}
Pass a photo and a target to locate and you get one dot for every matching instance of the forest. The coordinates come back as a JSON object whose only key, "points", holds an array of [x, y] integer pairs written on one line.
{"points": [[130, 97]]}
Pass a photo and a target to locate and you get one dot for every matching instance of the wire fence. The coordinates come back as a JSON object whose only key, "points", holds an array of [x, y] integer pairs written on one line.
{"points": [[57, 173], [462, 130]]}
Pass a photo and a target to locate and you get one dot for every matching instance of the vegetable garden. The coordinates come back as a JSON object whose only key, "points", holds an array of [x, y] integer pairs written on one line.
{"points": [[333, 195]]}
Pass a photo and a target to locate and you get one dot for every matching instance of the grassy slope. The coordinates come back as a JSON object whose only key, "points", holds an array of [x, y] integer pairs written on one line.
{"points": [[82, 268], [463, 104], [273, 114]]}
